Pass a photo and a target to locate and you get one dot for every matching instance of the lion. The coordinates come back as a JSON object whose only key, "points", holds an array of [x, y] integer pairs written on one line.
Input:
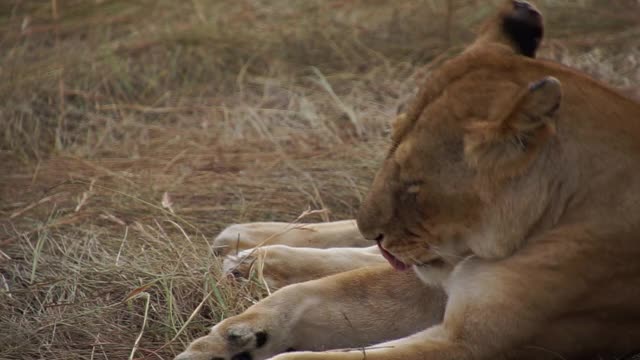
{"points": [[508, 207]]}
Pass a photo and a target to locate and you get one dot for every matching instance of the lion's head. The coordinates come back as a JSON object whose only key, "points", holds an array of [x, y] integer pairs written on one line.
{"points": [[467, 167]]}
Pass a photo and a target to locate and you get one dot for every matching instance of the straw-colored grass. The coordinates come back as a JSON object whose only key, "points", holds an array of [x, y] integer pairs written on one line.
{"points": [[134, 130]]}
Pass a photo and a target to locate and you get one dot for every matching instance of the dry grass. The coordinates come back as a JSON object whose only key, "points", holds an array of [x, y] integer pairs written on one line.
{"points": [[231, 111]]}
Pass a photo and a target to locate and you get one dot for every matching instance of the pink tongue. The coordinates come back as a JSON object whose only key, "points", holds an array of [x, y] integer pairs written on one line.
{"points": [[397, 264]]}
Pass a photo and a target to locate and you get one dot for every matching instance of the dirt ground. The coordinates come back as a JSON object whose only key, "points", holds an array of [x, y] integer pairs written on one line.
{"points": [[133, 131]]}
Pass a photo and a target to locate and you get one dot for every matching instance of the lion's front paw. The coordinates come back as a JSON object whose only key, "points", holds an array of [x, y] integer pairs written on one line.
{"points": [[235, 238], [247, 236], [240, 265], [272, 264], [239, 341]]}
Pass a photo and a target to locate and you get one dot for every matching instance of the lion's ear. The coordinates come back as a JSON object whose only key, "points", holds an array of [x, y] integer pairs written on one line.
{"points": [[539, 103], [518, 24], [518, 130]]}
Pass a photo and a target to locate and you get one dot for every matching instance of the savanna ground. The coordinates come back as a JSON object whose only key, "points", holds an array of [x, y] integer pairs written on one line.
{"points": [[134, 131]]}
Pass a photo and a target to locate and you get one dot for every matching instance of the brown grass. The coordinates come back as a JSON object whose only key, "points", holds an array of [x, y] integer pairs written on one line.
{"points": [[231, 111]]}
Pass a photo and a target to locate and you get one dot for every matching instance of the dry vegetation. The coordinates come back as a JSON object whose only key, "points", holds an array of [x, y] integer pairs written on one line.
{"points": [[134, 131]]}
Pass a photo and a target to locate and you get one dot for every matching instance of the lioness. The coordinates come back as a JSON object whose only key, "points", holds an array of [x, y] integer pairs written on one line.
{"points": [[512, 189]]}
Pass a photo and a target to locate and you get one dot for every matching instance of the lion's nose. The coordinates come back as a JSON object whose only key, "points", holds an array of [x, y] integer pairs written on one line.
{"points": [[521, 4], [370, 224], [528, 9], [374, 235]]}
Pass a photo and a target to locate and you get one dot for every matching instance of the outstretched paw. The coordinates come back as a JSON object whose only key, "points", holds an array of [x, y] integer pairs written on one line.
{"points": [[275, 265], [230, 342], [240, 237], [240, 265]]}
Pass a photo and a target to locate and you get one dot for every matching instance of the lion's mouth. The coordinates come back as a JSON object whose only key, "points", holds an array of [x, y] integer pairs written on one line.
{"points": [[395, 263], [401, 266]]}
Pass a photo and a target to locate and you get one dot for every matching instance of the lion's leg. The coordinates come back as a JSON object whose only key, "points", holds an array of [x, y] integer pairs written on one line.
{"points": [[496, 308], [321, 235], [281, 265], [351, 309]]}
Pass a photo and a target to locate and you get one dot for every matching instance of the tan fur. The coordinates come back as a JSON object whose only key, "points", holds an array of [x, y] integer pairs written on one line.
{"points": [[281, 265], [236, 238], [340, 311], [281, 254], [526, 214]]}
